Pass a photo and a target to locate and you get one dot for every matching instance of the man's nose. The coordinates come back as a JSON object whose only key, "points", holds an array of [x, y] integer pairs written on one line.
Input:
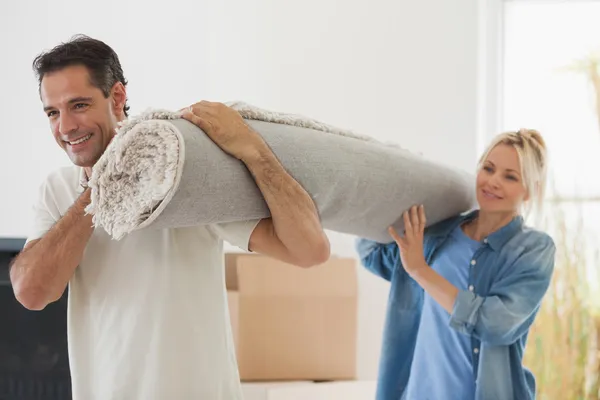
{"points": [[67, 124]]}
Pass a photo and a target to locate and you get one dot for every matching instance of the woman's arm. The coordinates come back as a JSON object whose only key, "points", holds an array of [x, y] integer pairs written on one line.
{"points": [[508, 311], [379, 258]]}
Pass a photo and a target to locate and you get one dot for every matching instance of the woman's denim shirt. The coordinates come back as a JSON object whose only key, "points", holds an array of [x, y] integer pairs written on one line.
{"points": [[509, 274]]}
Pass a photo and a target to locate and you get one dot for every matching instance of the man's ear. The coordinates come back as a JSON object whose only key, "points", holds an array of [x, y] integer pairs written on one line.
{"points": [[118, 97]]}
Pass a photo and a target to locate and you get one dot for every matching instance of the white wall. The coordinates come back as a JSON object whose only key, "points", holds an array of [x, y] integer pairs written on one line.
{"points": [[404, 71]]}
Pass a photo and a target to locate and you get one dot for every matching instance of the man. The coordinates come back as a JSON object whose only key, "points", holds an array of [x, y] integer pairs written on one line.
{"points": [[148, 314]]}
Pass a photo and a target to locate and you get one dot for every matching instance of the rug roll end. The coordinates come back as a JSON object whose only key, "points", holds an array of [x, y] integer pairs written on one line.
{"points": [[136, 173]]}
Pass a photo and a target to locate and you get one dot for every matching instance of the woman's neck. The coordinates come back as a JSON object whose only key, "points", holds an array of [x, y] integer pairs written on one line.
{"points": [[487, 223]]}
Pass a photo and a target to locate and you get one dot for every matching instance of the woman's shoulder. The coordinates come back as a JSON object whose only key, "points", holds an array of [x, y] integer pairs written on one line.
{"points": [[530, 249], [529, 237]]}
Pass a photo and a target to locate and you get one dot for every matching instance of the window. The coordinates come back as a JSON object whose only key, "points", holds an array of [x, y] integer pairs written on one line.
{"points": [[550, 81], [549, 51]]}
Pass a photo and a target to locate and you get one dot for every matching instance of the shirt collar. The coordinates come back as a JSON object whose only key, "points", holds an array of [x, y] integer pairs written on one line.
{"points": [[496, 239], [499, 238], [83, 180]]}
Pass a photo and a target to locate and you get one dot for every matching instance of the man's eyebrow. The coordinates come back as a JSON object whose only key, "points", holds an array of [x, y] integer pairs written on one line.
{"points": [[80, 99]]}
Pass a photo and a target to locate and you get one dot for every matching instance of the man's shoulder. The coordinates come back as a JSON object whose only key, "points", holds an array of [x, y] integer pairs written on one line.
{"points": [[63, 177], [64, 172], [59, 188]]}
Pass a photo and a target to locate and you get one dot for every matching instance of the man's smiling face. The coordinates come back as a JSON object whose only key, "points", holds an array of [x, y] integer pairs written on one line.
{"points": [[82, 119]]}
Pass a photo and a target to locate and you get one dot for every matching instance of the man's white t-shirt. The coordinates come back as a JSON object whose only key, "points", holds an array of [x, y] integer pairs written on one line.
{"points": [[147, 315]]}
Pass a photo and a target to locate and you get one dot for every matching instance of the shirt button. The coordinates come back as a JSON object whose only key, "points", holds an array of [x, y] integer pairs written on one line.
{"points": [[476, 350], [471, 288], [473, 262]]}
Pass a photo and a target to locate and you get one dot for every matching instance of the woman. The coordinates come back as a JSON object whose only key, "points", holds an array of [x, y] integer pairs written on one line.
{"points": [[464, 292]]}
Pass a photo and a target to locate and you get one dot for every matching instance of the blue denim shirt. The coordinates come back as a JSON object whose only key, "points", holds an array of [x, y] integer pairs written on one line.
{"points": [[509, 275]]}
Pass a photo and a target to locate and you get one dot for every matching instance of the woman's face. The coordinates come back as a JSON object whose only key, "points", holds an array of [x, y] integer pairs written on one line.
{"points": [[500, 186]]}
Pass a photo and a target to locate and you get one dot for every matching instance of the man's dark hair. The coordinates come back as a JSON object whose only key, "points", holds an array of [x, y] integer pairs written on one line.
{"points": [[100, 60]]}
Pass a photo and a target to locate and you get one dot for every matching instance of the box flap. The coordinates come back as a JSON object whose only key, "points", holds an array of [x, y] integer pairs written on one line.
{"points": [[253, 274]]}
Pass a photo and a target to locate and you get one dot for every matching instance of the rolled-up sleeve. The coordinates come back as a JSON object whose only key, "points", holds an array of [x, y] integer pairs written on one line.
{"points": [[508, 311]]}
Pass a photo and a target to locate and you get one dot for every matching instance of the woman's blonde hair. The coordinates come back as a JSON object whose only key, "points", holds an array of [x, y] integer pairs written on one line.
{"points": [[531, 148]]}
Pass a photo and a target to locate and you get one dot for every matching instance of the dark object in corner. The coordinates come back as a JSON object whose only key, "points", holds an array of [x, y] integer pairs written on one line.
{"points": [[34, 361]]}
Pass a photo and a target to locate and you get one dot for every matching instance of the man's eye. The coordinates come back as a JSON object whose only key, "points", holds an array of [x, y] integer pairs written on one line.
{"points": [[80, 105], [51, 113]]}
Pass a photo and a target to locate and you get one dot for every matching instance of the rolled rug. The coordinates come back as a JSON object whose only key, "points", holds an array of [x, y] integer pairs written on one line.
{"points": [[161, 171]]}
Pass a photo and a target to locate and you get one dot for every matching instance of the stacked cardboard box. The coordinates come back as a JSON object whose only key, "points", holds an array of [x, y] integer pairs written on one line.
{"points": [[291, 323], [341, 390]]}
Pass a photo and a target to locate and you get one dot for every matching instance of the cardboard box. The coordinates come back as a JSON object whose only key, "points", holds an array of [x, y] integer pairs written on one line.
{"points": [[291, 323], [347, 390], [270, 390]]}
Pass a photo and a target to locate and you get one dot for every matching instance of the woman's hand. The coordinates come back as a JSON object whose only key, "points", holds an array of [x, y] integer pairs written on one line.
{"points": [[413, 260], [411, 245]]}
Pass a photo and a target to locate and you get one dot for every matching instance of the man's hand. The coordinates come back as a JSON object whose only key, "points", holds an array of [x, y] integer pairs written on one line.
{"points": [[225, 127], [411, 245], [294, 233]]}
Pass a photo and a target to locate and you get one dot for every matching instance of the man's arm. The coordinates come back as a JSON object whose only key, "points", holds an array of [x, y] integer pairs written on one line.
{"points": [[293, 233], [41, 272]]}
